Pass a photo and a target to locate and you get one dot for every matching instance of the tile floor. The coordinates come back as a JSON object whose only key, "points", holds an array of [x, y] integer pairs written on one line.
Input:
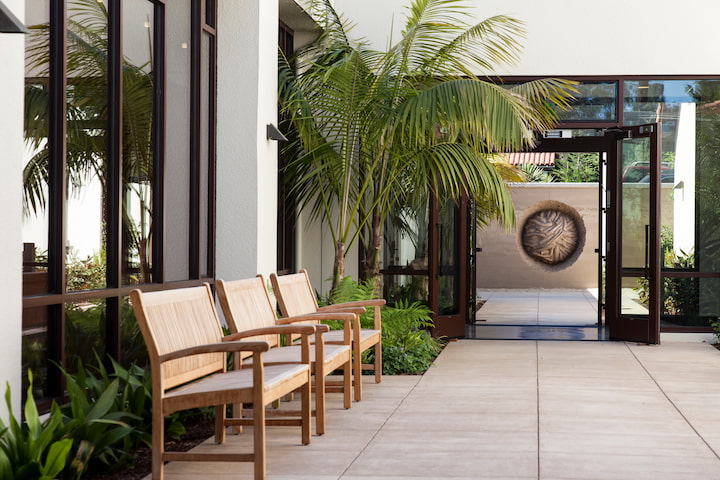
{"points": [[537, 314], [514, 410]]}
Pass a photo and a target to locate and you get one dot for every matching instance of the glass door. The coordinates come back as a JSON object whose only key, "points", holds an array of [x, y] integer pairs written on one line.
{"points": [[449, 267], [634, 235]]}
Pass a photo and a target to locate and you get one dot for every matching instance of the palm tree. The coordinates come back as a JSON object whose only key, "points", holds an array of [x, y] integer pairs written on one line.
{"points": [[379, 130]]}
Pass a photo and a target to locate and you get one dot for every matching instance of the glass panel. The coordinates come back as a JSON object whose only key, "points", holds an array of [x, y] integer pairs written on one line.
{"points": [[634, 296], [449, 297], [86, 144], [406, 248], [690, 190], [406, 238], [34, 349], [138, 21], [84, 333], [594, 102], [35, 190], [690, 302], [132, 345], [635, 198], [210, 13], [413, 288]]}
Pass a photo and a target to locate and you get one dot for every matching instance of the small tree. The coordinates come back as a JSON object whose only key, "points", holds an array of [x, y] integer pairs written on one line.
{"points": [[577, 167], [381, 129]]}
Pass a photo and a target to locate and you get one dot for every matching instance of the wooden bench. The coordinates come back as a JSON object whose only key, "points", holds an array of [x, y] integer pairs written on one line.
{"points": [[188, 358], [247, 306], [295, 297]]}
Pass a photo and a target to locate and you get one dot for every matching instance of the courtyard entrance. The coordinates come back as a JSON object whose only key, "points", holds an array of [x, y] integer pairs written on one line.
{"points": [[583, 263]]}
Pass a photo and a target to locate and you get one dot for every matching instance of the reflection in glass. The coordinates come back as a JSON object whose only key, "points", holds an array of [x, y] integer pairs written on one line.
{"points": [[138, 20], [690, 191], [635, 198], [34, 349], [84, 333], [406, 239], [132, 345], [406, 248], [594, 102], [449, 295], [690, 301], [35, 190], [411, 288], [87, 92], [634, 296]]}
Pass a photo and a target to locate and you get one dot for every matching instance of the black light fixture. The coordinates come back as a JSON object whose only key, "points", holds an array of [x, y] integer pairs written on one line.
{"points": [[274, 134], [9, 23]]}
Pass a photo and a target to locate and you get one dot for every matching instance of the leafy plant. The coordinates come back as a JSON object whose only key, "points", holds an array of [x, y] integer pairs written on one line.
{"points": [[577, 167], [680, 296], [35, 449], [94, 422], [407, 344], [85, 274], [408, 347], [132, 400], [536, 174]]}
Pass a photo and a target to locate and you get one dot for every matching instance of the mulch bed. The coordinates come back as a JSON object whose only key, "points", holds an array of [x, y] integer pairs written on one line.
{"points": [[195, 434]]}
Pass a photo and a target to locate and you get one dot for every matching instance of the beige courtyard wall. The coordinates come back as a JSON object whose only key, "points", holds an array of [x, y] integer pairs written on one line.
{"points": [[502, 264]]}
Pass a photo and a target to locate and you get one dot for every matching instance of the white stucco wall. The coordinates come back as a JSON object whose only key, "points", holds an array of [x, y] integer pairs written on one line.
{"points": [[11, 139], [246, 160], [316, 254], [565, 37]]}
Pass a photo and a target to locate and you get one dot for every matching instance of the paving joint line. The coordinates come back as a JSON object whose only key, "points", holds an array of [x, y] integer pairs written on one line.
{"points": [[377, 432], [667, 397]]}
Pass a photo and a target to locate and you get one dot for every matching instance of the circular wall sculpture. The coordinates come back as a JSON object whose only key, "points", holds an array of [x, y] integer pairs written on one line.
{"points": [[552, 235]]}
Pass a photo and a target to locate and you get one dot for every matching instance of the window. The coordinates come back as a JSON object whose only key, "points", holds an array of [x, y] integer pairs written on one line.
{"points": [[119, 171], [688, 113]]}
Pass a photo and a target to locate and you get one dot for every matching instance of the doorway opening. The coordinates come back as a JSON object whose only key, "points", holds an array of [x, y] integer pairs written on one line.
{"points": [[545, 280]]}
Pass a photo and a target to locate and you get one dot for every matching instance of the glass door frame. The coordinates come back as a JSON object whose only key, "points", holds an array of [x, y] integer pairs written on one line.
{"points": [[633, 327], [451, 325], [600, 145]]}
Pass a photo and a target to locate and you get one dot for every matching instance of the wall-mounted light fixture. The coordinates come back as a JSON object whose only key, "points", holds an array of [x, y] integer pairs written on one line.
{"points": [[9, 23], [274, 134]]}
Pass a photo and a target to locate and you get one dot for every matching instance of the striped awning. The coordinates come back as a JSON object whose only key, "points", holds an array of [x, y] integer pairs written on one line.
{"points": [[541, 159]]}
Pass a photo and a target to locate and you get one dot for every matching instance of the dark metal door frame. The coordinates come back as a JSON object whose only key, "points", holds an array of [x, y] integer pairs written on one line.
{"points": [[633, 327], [450, 325]]}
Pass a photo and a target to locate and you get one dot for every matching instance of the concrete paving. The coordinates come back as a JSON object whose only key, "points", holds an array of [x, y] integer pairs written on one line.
{"points": [[513, 410], [538, 307]]}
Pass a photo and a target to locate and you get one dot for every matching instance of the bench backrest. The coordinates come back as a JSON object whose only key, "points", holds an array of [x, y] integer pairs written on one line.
{"points": [[246, 305], [171, 320], [294, 294]]}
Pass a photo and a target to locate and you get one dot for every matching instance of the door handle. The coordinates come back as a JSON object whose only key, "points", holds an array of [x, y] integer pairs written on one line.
{"points": [[647, 249]]}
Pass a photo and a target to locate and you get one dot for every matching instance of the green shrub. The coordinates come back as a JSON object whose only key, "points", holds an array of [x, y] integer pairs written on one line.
{"points": [[408, 347], [407, 344]]}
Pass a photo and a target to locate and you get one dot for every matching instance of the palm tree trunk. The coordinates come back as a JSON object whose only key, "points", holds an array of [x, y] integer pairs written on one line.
{"points": [[338, 265], [373, 256]]}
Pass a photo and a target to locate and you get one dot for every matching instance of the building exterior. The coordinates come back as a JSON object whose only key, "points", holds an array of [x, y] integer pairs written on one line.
{"points": [[208, 188]]}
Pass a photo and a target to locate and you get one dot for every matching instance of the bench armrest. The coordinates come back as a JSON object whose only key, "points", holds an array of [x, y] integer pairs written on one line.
{"points": [[223, 347]]}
